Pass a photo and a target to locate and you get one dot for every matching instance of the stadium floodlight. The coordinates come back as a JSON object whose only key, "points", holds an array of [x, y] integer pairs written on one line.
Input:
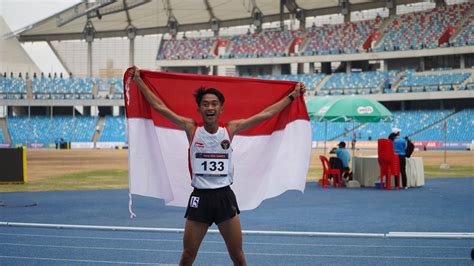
{"points": [[89, 32], [257, 17], [300, 14], [390, 3], [131, 32], [214, 25], [85, 8], [173, 25], [344, 4]]}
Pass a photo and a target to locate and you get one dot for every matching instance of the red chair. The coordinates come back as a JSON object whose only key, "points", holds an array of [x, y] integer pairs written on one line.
{"points": [[385, 158], [327, 170], [395, 170]]}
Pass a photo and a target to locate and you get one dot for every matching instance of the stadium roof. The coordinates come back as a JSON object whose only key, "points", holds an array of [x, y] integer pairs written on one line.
{"points": [[111, 18], [13, 58]]}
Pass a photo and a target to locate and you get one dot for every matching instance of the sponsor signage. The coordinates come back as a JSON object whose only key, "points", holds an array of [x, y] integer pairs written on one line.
{"points": [[35, 145], [365, 110], [109, 145], [82, 145]]}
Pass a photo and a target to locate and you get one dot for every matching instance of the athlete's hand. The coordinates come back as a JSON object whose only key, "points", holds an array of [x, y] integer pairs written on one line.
{"points": [[134, 72], [299, 90]]}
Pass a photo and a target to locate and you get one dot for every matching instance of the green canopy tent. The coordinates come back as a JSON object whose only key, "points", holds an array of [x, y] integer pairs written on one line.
{"points": [[314, 104], [348, 109]]}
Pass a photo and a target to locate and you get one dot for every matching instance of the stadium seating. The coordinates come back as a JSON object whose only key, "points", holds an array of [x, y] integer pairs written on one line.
{"points": [[339, 38], [115, 88], [265, 44], [186, 49], [436, 81], [416, 30], [12, 88], [57, 88], [354, 83], [43, 129], [113, 130], [381, 81], [466, 36], [460, 128], [310, 80], [421, 30], [409, 121]]}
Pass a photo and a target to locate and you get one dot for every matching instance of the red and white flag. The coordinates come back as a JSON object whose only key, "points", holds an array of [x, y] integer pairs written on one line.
{"points": [[269, 158]]}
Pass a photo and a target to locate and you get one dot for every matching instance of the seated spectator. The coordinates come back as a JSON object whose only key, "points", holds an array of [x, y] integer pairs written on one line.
{"points": [[343, 154]]}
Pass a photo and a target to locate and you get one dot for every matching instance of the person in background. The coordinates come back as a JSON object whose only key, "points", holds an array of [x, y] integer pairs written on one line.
{"points": [[343, 154], [399, 147]]}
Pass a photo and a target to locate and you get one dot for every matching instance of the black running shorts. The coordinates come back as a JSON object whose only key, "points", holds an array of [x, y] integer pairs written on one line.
{"points": [[212, 205]]}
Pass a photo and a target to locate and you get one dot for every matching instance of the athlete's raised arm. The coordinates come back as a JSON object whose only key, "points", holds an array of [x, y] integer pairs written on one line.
{"points": [[236, 126], [158, 105]]}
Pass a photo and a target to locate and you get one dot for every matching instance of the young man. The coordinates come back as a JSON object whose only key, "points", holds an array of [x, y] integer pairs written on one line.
{"points": [[210, 160], [343, 154]]}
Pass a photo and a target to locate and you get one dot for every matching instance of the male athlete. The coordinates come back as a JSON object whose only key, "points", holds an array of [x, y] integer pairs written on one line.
{"points": [[210, 158]]}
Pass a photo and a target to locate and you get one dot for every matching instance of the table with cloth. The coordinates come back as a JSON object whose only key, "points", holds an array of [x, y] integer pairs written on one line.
{"points": [[366, 170]]}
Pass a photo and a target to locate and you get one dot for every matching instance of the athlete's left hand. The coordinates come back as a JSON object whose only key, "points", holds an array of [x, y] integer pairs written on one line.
{"points": [[299, 90]]}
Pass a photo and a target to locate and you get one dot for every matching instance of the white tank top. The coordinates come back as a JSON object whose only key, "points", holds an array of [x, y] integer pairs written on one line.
{"points": [[210, 158]]}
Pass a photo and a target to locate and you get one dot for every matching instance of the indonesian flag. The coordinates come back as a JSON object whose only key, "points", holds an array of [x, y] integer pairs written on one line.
{"points": [[269, 158]]}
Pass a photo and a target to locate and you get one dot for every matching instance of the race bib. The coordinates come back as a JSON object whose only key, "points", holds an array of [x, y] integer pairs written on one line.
{"points": [[211, 164]]}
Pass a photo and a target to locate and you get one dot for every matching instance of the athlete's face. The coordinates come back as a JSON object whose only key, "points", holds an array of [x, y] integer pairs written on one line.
{"points": [[210, 108]]}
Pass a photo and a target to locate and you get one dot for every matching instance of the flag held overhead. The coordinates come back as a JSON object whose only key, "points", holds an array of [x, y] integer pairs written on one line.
{"points": [[269, 158]]}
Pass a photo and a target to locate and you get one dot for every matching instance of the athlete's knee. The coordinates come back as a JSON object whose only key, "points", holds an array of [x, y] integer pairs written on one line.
{"points": [[238, 258], [188, 256]]}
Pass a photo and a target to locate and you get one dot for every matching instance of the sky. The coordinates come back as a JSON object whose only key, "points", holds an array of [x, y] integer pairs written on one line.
{"points": [[21, 13]]}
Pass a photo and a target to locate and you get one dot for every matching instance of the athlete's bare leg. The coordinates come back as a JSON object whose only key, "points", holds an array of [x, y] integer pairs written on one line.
{"points": [[194, 233], [231, 231]]}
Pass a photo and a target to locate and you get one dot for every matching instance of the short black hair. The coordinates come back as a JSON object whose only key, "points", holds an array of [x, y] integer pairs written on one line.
{"points": [[199, 93], [392, 136]]}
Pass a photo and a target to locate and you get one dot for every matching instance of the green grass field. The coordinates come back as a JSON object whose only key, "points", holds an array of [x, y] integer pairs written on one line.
{"points": [[118, 179], [100, 179]]}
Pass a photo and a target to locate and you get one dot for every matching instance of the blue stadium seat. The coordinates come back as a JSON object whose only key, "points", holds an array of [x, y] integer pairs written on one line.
{"points": [[186, 49], [421, 30], [410, 122], [113, 130], [310, 80], [61, 88], [438, 81], [356, 82], [12, 88], [41, 129]]}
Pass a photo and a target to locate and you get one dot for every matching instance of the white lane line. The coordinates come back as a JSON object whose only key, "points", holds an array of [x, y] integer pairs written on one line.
{"points": [[246, 242], [180, 230], [92, 247], [356, 256], [96, 238], [456, 235], [85, 261], [247, 253], [430, 235]]}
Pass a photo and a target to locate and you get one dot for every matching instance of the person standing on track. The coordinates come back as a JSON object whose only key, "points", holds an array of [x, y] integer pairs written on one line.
{"points": [[210, 160], [399, 147]]}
